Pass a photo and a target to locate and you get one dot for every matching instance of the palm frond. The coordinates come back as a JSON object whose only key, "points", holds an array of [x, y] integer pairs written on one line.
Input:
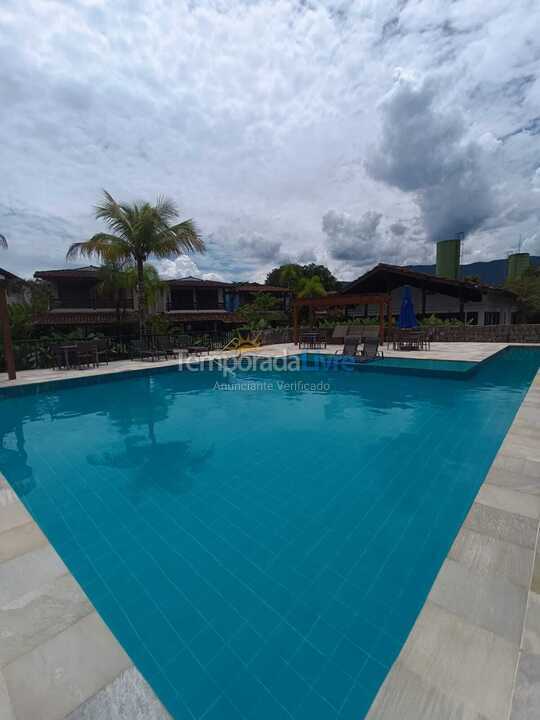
{"points": [[177, 239], [118, 217], [108, 248], [166, 209], [3, 241]]}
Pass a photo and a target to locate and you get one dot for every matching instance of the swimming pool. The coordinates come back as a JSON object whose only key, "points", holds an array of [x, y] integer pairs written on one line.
{"points": [[261, 549]]}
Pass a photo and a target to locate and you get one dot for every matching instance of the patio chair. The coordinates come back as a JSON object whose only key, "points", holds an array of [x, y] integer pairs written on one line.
{"points": [[139, 349], [350, 347], [370, 350], [87, 354], [103, 351], [164, 345], [59, 357]]}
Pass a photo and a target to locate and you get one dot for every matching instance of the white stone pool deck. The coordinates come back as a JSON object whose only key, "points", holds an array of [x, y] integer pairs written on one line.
{"points": [[472, 352], [473, 653]]}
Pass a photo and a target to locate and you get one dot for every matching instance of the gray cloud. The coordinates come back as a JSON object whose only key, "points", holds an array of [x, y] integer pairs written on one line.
{"points": [[398, 229], [269, 128], [349, 239], [425, 150]]}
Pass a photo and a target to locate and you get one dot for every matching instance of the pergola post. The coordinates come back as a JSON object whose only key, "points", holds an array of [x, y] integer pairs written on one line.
{"points": [[6, 331], [296, 328]]}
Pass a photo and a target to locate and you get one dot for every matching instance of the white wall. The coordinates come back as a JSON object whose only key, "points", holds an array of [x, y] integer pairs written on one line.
{"points": [[438, 303]]}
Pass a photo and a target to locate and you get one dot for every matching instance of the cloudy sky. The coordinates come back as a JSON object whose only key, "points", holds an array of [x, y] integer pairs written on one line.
{"points": [[345, 132]]}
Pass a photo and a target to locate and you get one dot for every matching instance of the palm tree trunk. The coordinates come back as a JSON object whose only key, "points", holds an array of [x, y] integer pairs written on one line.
{"points": [[140, 297]]}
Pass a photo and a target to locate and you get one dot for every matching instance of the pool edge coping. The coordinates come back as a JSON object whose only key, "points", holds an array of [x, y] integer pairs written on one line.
{"points": [[437, 673], [84, 672]]}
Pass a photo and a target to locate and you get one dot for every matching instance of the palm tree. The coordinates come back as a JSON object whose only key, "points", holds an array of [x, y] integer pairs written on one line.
{"points": [[289, 275], [311, 287], [152, 283], [112, 283], [3, 241], [138, 231]]}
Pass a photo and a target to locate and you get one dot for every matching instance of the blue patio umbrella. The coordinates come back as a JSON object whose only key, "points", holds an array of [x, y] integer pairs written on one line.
{"points": [[407, 318]]}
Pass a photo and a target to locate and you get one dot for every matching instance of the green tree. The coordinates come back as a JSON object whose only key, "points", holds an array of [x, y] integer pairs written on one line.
{"points": [[527, 290], [262, 312], [3, 241], [139, 231], [291, 274]]}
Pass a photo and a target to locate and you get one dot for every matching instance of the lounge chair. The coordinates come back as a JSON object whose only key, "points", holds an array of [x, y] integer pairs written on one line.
{"points": [[356, 331], [370, 350], [340, 332], [350, 347]]}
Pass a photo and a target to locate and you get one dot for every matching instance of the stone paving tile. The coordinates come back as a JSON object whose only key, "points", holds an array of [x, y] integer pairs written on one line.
{"points": [[469, 664], [6, 708], [24, 575], [55, 678], [33, 619], [526, 704], [20, 540], [488, 602], [535, 582], [507, 499], [126, 698], [516, 473], [405, 695], [488, 556], [502, 525], [531, 632], [12, 512]]}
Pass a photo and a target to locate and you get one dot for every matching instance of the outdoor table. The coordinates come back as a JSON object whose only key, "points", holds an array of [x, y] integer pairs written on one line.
{"points": [[312, 341], [198, 350]]}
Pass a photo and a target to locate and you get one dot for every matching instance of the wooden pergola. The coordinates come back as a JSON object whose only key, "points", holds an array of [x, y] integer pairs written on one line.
{"points": [[331, 301]]}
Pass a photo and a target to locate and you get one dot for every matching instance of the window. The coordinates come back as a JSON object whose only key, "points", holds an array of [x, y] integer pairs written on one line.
{"points": [[492, 318], [472, 318]]}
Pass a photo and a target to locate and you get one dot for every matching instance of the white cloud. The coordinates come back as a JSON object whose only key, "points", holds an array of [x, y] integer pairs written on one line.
{"points": [[183, 266], [257, 116]]}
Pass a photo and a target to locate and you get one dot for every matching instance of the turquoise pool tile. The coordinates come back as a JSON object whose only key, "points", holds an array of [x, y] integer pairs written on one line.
{"points": [[246, 643], [315, 706], [356, 704], [225, 667], [206, 645], [308, 662], [333, 684], [290, 689], [350, 657], [372, 675], [324, 638], [223, 709]]}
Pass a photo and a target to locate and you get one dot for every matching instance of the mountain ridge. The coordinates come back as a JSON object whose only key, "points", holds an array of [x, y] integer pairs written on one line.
{"points": [[490, 272]]}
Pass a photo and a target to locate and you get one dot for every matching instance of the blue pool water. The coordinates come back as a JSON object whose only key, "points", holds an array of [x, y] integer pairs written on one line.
{"points": [[260, 550]]}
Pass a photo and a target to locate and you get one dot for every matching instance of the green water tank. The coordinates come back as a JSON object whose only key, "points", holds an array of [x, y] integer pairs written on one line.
{"points": [[448, 256], [517, 264]]}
